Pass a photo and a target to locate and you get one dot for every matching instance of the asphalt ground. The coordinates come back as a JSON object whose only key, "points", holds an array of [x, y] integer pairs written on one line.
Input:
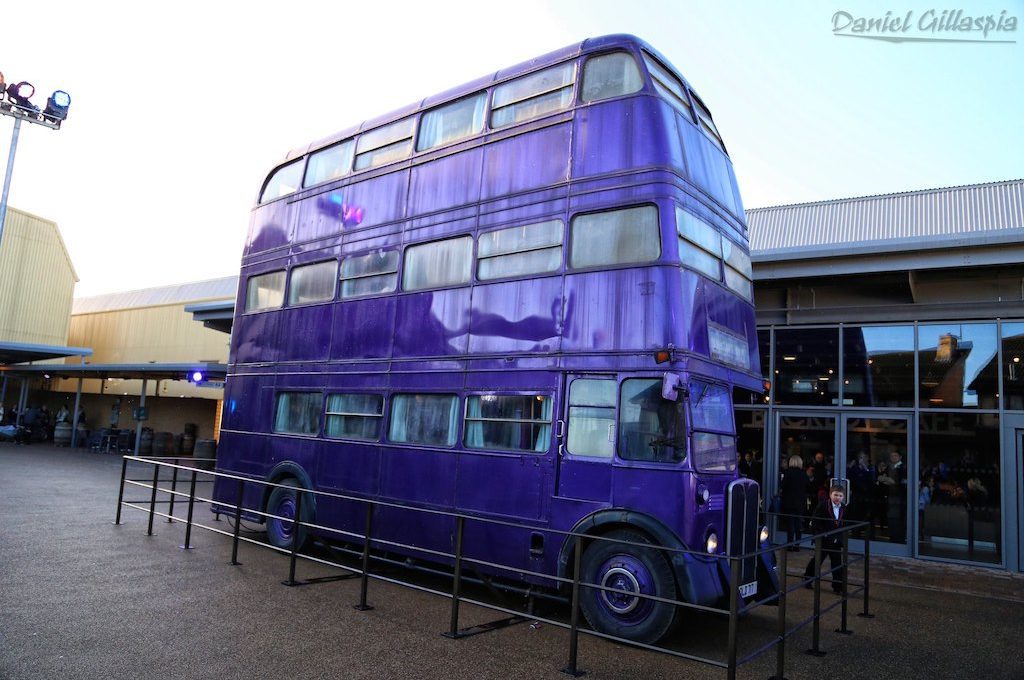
{"points": [[82, 598]]}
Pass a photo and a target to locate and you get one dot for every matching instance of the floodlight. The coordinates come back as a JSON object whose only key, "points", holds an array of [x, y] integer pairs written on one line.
{"points": [[57, 105], [20, 93]]}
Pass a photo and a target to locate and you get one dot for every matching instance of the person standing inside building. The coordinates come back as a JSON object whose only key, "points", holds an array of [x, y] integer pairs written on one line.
{"points": [[793, 499], [829, 515]]}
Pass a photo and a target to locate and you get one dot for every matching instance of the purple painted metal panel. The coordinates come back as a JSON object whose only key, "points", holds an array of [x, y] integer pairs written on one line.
{"points": [[618, 135], [359, 205], [364, 328], [525, 482], [446, 182], [624, 308], [433, 323], [270, 227], [516, 316], [350, 467], [432, 485], [530, 161], [305, 332], [254, 337]]}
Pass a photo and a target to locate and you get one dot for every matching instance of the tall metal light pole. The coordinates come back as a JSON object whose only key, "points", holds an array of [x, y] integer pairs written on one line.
{"points": [[14, 102]]}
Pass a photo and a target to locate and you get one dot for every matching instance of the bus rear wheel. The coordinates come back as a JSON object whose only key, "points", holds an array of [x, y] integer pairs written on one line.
{"points": [[282, 503], [633, 569]]}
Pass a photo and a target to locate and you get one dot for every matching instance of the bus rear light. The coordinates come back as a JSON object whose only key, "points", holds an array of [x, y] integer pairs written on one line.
{"points": [[703, 495], [662, 355]]}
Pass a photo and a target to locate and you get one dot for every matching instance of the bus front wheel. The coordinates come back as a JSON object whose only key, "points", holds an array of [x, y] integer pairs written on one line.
{"points": [[627, 569], [282, 503]]}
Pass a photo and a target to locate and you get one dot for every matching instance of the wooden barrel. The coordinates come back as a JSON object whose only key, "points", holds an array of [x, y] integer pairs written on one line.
{"points": [[205, 453], [146, 442], [192, 429], [163, 444], [62, 434], [188, 443], [82, 439]]}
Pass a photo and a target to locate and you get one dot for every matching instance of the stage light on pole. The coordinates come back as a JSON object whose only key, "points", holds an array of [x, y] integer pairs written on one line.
{"points": [[21, 93], [15, 103], [57, 105]]}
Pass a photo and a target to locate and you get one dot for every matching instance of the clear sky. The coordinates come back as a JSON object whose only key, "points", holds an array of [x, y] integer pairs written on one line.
{"points": [[180, 109]]}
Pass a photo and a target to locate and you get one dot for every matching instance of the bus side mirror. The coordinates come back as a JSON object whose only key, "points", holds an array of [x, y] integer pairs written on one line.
{"points": [[670, 385]]}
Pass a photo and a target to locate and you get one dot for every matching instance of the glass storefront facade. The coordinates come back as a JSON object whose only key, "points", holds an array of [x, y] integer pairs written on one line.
{"points": [[909, 416]]}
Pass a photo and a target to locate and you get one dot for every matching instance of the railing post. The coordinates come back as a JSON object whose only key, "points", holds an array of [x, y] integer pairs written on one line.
{"points": [[191, 504], [867, 579], [734, 615], [174, 487], [815, 650], [152, 497], [296, 527], [780, 650], [238, 522], [120, 493], [574, 630], [364, 583], [844, 572], [453, 630]]}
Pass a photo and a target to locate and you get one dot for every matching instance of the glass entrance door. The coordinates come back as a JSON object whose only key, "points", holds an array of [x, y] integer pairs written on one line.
{"points": [[806, 446], [873, 464]]}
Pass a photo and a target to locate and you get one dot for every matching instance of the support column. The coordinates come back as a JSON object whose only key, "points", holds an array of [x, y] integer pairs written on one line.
{"points": [[3, 391], [138, 423], [74, 418], [22, 400]]}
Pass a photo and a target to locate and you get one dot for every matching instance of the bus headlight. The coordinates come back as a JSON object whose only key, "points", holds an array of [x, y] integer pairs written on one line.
{"points": [[764, 534], [712, 543]]}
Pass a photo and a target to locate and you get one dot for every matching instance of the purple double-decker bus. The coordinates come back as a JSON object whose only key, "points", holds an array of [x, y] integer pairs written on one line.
{"points": [[527, 298]]}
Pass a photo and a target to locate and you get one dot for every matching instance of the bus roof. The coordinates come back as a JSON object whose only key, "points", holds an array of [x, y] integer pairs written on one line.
{"points": [[569, 52]]}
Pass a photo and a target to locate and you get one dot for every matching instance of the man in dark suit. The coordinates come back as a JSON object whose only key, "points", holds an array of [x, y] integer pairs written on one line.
{"points": [[830, 514]]}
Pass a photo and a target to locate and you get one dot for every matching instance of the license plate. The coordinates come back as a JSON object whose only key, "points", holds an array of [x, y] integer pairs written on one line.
{"points": [[748, 589]]}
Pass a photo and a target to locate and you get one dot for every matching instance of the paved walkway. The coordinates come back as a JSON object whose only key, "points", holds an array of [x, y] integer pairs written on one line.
{"points": [[81, 598]]}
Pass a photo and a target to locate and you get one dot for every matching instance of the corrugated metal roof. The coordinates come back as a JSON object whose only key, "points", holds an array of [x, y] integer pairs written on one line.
{"points": [[196, 291], [905, 217]]}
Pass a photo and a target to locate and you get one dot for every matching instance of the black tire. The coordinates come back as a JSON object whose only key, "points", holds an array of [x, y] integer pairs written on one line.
{"points": [[632, 568], [282, 502]]}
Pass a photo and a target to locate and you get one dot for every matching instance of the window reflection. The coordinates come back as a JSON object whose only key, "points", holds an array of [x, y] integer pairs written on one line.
{"points": [[806, 366], [958, 366], [958, 499], [1013, 366], [878, 366]]}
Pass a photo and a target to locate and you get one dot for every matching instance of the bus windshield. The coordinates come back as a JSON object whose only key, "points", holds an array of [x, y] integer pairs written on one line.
{"points": [[651, 428], [714, 446]]}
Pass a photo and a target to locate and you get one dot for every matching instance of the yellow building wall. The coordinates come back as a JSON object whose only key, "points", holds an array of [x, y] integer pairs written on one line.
{"points": [[159, 334], [37, 281]]}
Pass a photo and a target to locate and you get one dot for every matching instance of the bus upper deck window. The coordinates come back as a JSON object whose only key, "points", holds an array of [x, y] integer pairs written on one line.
{"points": [[707, 125], [438, 264], [610, 75], [265, 291], [452, 122], [532, 96], [313, 283], [330, 163], [668, 86], [615, 237], [386, 144], [285, 180]]}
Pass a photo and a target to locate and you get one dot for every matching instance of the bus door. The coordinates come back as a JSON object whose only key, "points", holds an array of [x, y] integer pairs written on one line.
{"points": [[585, 451]]}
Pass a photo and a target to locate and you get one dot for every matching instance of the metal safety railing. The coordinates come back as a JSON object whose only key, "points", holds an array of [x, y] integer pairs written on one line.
{"points": [[730, 660]]}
